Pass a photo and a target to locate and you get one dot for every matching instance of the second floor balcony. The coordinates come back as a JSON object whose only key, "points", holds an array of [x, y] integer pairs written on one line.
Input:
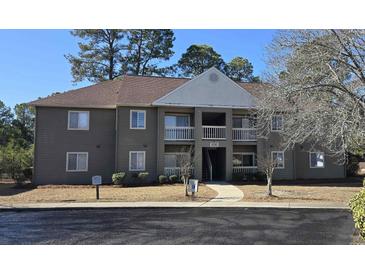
{"points": [[173, 133]]}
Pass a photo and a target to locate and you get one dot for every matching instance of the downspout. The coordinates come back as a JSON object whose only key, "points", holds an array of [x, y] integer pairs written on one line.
{"points": [[116, 139]]}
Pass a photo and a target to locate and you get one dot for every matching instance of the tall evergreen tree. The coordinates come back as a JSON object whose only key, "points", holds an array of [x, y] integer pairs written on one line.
{"points": [[6, 118], [146, 48], [197, 59], [100, 55], [240, 69], [24, 123]]}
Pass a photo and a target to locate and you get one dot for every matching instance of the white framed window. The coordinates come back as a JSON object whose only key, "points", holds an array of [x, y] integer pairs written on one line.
{"points": [[77, 161], [176, 159], [137, 119], [137, 160], [245, 121], [277, 123], [244, 159], [316, 159], [177, 120], [278, 159], [78, 120]]}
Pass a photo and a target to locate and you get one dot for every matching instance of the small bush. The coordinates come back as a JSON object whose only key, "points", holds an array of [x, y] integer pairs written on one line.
{"points": [[174, 179], [118, 178], [237, 177], [357, 205], [163, 179], [28, 172], [260, 176], [143, 175]]}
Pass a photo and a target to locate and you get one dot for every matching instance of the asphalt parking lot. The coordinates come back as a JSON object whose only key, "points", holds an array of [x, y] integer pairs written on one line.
{"points": [[237, 226]]}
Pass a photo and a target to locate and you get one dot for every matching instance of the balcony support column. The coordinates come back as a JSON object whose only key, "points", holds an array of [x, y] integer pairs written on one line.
{"points": [[160, 141], [198, 147], [229, 146]]}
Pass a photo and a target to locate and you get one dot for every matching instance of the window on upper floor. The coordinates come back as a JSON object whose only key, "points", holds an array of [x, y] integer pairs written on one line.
{"points": [[138, 119], [278, 159], [277, 123], [316, 159], [78, 120], [77, 161], [245, 121], [177, 120], [137, 160]]}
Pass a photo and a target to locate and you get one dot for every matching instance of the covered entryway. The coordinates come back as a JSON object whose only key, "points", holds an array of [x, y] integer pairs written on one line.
{"points": [[214, 164]]}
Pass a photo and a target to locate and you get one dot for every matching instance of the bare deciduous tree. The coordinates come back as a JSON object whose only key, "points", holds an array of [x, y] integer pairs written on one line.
{"points": [[185, 164], [317, 79]]}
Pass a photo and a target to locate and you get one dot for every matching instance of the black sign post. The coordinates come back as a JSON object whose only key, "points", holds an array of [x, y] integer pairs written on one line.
{"points": [[97, 192], [96, 181]]}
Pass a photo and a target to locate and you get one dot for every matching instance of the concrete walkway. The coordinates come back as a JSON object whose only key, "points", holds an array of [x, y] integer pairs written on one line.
{"points": [[227, 193]]}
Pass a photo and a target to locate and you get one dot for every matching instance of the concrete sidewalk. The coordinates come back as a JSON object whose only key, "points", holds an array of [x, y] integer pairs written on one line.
{"points": [[172, 204], [227, 193]]}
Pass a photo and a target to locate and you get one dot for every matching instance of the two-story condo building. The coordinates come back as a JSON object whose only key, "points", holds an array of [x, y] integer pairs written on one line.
{"points": [[137, 123]]}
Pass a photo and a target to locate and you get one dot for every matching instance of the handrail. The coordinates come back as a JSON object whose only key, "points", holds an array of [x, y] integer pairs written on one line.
{"points": [[210, 166]]}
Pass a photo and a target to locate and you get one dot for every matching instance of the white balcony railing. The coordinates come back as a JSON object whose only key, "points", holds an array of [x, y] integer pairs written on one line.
{"points": [[245, 169], [214, 132], [244, 134], [179, 133], [175, 171]]}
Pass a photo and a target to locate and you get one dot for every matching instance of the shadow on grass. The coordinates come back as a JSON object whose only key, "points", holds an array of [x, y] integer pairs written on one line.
{"points": [[10, 189]]}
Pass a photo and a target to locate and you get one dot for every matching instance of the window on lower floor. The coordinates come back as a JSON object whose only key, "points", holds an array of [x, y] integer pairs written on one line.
{"points": [[176, 159], [246, 159], [137, 160], [278, 159], [316, 159], [77, 161]]}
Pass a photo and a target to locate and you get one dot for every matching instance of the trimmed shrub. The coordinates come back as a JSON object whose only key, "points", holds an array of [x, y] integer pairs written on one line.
{"points": [[357, 205], [143, 175], [118, 178], [260, 176], [174, 179], [237, 177], [163, 179]]}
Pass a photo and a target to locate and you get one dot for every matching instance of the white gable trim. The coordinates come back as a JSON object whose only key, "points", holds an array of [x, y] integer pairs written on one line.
{"points": [[160, 101]]}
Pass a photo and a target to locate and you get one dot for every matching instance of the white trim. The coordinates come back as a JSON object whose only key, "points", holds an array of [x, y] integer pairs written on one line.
{"points": [[78, 111], [77, 170], [277, 151], [144, 160], [157, 102], [310, 162], [130, 118], [282, 119]]}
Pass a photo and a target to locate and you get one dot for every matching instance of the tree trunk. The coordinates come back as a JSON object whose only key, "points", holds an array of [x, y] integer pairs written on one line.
{"points": [[186, 186], [269, 185]]}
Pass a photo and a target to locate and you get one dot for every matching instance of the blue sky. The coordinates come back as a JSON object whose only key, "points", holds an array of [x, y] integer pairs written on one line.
{"points": [[32, 62]]}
